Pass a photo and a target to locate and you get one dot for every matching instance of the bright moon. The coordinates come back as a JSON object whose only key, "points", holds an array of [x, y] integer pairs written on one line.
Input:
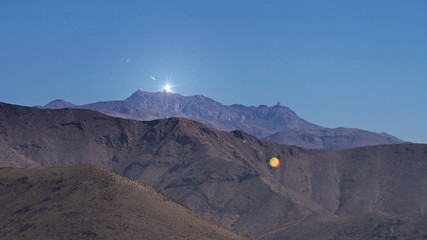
{"points": [[167, 88]]}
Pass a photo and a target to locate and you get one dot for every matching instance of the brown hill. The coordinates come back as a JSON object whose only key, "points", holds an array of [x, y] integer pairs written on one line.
{"points": [[89, 203], [377, 192], [277, 123], [226, 176]]}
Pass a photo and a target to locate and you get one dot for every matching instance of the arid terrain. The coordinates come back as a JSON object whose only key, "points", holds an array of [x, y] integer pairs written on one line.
{"points": [[85, 202], [376, 192]]}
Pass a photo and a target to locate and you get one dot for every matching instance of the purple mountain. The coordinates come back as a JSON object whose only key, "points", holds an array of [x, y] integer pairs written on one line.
{"points": [[277, 123]]}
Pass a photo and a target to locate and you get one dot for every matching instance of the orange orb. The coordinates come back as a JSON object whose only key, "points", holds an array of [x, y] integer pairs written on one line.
{"points": [[274, 162]]}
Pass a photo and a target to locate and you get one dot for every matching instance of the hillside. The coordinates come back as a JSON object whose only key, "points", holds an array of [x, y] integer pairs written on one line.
{"points": [[226, 177], [85, 202]]}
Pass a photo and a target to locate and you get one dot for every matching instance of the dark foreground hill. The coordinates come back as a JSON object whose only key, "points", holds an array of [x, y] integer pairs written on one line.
{"points": [[377, 192], [89, 203], [277, 123]]}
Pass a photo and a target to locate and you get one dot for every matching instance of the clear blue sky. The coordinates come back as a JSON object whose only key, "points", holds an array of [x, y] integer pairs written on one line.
{"points": [[359, 63]]}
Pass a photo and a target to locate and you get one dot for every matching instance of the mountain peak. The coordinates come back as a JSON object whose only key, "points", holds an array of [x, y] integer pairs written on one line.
{"points": [[59, 103], [142, 93]]}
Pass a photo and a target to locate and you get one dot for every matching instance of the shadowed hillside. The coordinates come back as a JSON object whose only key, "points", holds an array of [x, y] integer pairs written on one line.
{"points": [[89, 203]]}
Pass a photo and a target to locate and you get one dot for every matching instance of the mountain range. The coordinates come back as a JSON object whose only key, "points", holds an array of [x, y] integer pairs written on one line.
{"points": [[375, 192], [277, 123]]}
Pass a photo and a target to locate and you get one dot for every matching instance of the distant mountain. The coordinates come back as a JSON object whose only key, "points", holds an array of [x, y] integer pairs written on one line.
{"points": [[258, 121], [90, 203], [377, 192], [277, 123], [58, 104], [331, 138]]}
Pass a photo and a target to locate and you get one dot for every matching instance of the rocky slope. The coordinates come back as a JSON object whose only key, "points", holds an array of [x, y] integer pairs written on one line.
{"points": [[226, 177], [89, 203], [277, 123]]}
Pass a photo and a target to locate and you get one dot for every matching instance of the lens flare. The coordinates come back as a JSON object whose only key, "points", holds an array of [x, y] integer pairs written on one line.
{"points": [[167, 88], [274, 162]]}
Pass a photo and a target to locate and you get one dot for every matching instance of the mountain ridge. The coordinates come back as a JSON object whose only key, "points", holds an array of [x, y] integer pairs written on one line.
{"points": [[226, 176], [277, 123]]}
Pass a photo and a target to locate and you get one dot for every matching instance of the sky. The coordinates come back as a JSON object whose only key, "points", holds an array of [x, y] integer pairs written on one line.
{"points": [[336, 63]]}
